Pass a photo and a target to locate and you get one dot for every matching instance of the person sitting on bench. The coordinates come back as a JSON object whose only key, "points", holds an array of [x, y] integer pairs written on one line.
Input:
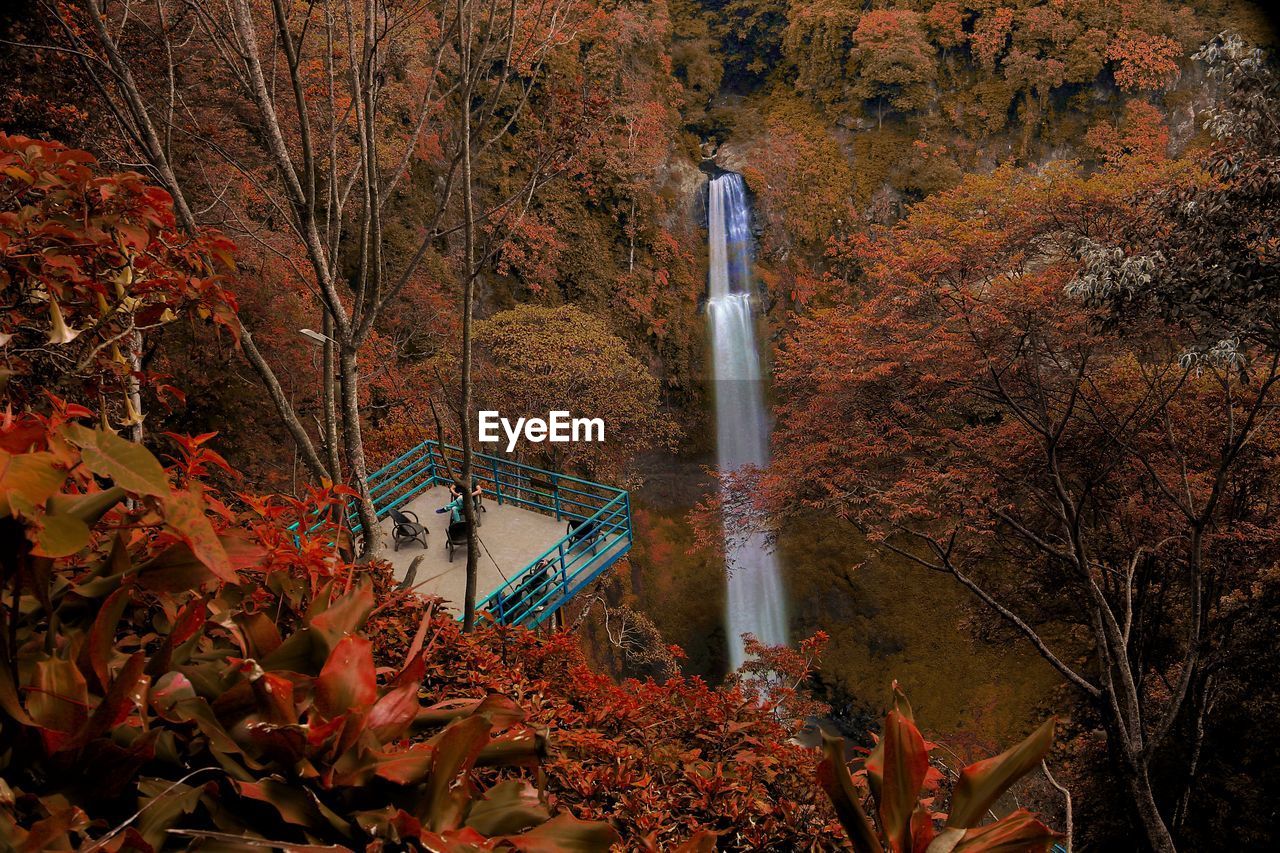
{"points": [[455, 508], [477, 492]]}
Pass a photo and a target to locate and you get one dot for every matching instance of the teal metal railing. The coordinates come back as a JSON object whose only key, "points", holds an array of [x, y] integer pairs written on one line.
{"points": [[598, 522]]}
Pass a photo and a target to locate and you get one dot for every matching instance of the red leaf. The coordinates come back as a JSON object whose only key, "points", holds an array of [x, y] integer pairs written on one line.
{"points": [[408, 767], [95, 655], [564, 832], [348, 681], [116, 705], [905, 764], [1018, 832], [190, 620], [394, 712], [456, 750], [58, 702], [184, 512]]}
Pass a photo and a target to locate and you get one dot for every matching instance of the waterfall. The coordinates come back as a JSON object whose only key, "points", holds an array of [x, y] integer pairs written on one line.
{"points": [[756, 603]]}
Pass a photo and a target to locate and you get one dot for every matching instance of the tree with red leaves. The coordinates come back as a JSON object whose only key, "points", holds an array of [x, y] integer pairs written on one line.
{"points": [[1144, 60], [311, 178], [973, 416], [89, 263], [892, 60]]}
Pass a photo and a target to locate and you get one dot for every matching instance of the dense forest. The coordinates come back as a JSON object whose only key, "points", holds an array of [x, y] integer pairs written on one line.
{"points": [[1014, 273]]}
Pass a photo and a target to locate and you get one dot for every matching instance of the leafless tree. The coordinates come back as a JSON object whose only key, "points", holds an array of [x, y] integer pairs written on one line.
{"points": [[330, 101]]}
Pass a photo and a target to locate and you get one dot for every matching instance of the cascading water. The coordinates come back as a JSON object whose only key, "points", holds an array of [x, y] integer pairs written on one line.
{"points": [[756, 602]]}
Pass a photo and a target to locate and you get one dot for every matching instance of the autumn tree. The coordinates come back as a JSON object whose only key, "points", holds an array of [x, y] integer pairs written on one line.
{"points": [[1205, 255], [1144, 60], [801, 179], [533, 360], [696, 63], [89, 261], [892, 60], [971, 416], [1141, 134], [818, 39], [751, 36], [945, 24], [990, 35], [302, 126]]}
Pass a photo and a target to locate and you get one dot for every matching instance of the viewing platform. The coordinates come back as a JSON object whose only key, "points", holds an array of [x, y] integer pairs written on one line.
{"points": [[543, 535]]}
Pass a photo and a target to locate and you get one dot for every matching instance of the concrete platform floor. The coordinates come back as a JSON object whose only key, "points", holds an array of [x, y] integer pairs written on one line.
{"points": [[510, 537]]}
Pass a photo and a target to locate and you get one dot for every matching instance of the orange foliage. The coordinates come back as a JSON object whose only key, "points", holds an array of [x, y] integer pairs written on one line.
{"points": [[1144, 60], [991, 35], [1141, 134], [89, 262]]}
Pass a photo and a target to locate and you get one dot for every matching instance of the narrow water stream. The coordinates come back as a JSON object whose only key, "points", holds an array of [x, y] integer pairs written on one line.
{"points": [[756, 602]]}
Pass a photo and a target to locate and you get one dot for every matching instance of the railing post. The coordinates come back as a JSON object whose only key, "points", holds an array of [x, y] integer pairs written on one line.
{"points": [[555, 494], [564, 577], [497, 484]]}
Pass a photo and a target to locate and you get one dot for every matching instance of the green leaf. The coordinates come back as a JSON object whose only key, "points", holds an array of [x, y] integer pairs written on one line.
{"points": [[163, 805], [295, 804], [343, 615], [129, 465], [255, 633], [58, 701], [303, 651], [60, 535], [88, 508], [176, 569], [981, 784]]}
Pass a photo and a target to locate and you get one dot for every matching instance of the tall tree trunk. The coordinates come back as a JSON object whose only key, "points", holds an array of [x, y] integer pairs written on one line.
{"points": [[136, 122], [1158, 836], [347, 364], [470, 274], [284, 408], [133, 388], [330, 367]]}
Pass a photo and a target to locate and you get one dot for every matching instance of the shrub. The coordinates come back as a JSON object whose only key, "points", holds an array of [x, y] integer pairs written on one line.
{"points": [[166, 673]]}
